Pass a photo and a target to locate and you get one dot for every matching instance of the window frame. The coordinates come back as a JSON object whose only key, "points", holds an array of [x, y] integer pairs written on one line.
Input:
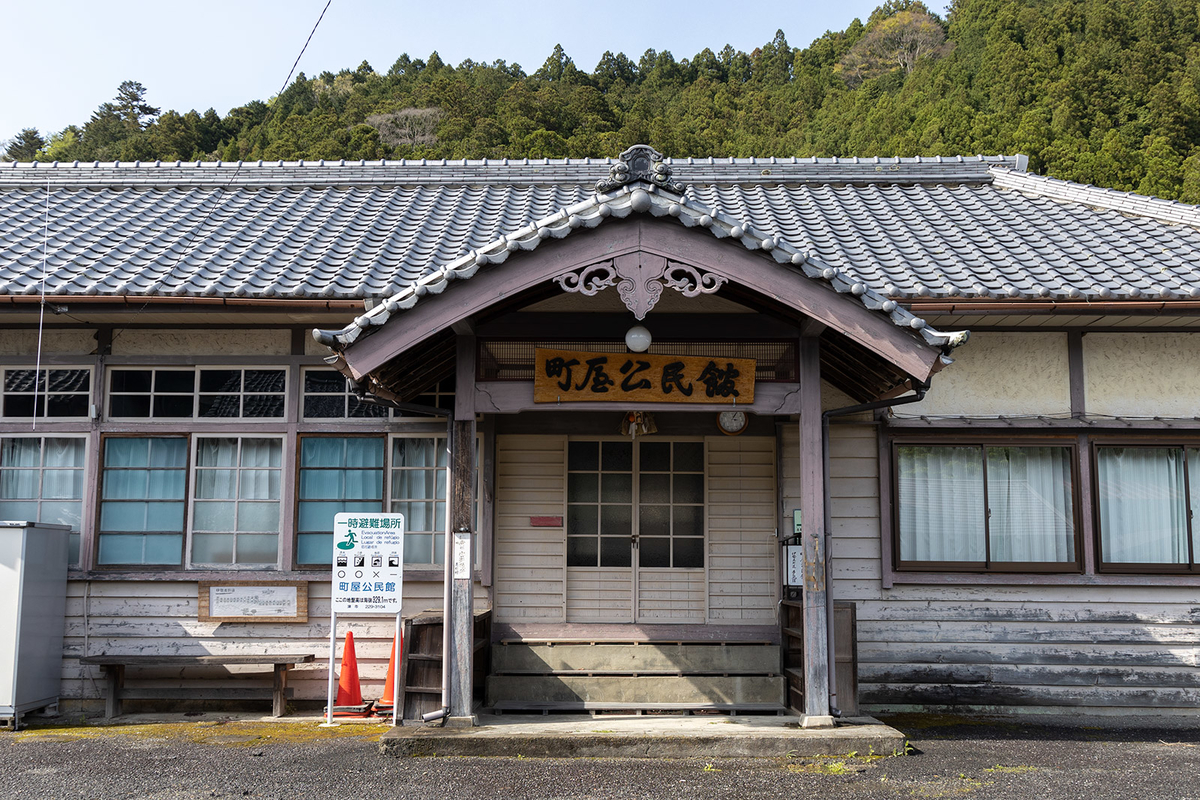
{"points": [[442, 391], [89, 394], [98, 532], [388, 438], [76, 536], [983, 442], [1180, 443], [635, 504], [195, 369], [189, 512]]}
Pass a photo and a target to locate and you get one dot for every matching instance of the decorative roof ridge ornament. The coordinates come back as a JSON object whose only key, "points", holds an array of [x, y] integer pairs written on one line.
{"points": [[639, 163], [640, 281]]}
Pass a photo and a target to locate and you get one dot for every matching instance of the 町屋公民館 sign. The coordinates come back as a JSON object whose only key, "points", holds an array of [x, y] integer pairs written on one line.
{"points": [[563, 376]]}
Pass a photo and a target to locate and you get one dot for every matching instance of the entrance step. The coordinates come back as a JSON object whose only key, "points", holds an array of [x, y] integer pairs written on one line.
{"points": [[570, 675], [635, 659], [630, 692]]}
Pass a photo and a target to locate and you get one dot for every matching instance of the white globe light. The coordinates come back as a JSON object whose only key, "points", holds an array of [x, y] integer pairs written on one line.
{"points": [[637, 339]]}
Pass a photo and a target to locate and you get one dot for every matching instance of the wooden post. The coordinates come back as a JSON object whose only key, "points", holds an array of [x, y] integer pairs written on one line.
{"points": [[812, 501], [462, 523]]}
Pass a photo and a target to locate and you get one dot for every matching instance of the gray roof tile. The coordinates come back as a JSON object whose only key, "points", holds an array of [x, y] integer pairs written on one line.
{"points": [[926, 227]]}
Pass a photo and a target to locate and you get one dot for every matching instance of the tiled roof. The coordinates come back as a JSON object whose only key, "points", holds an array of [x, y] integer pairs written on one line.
{"points": [[902, 228]]}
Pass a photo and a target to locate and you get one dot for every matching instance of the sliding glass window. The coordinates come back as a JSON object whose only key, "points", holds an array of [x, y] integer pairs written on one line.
{"points": [[1146, 499], [981, 507]]}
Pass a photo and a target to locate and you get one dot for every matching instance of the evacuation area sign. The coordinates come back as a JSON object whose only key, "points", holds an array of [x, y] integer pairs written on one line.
{"points": [[368, 563]]}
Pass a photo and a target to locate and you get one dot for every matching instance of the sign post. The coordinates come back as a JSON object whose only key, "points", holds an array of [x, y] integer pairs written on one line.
{"points": [[368, 580]]}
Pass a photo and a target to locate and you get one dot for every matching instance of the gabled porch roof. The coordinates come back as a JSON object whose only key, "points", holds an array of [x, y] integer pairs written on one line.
{"points": [[640, 215]]}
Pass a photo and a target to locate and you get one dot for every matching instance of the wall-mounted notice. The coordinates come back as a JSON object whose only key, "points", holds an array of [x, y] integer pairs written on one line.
{"points": [[368, 563], [253, 601]]}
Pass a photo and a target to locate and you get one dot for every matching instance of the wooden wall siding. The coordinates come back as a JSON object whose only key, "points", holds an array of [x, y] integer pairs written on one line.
{"points": [[854, 550], [996, 645], [1092, 646], [596, 594], [160, 617], [530, 563], [742, 518], [670, 595]]}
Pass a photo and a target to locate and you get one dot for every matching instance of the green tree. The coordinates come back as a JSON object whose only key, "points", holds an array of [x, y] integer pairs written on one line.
{"points": [[131, 106], [24, 146]]}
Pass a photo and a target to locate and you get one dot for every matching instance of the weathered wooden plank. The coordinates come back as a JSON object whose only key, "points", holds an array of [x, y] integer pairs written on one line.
{"points": [[1004, 633], [1065, 612], [696, 689], [1030, 675], [883, 696], [988, 654]]}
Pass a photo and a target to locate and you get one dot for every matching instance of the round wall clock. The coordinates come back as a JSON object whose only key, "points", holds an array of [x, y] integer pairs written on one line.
{"points": [[732, 423]]}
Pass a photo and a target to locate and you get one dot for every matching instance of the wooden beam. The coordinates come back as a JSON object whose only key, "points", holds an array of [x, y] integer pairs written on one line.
{"points": [[1075, 373], [513, 397], [812, 501], [462, 522], [549, 325]]}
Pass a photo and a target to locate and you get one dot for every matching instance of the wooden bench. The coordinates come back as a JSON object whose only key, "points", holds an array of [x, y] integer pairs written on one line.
{"points": [[114, 673]]}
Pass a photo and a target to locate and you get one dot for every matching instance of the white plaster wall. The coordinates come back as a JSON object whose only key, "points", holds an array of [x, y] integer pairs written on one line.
{"points": [[312, 347], [1142, 374], [217, 343], [1014, 374], [70, 342]]}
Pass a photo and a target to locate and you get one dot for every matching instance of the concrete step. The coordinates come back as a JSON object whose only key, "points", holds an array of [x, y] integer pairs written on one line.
{"points": [[635, 659], [625, 691]]}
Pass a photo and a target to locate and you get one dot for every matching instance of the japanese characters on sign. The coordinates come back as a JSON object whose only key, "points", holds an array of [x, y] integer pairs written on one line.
{"points": [[563, 376], [368, 563]]}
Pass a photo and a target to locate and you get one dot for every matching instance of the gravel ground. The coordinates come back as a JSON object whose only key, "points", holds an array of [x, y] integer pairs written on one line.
{"points": [[1079, 757]]}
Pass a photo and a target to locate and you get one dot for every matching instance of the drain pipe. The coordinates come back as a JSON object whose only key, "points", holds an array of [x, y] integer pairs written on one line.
{"points": [[431, 411], [921, 389]]}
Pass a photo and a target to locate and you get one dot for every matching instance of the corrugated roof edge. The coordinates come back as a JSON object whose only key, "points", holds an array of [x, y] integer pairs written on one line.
{"points": [[918, 169], [629, 199], [1138, 205]]}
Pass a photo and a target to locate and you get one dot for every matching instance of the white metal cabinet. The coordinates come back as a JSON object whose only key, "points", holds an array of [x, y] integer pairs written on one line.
{"points": [[33, 589]]}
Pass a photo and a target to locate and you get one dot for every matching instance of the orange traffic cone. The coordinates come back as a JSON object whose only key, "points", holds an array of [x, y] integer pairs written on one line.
{"points": [[383, 706], [349, 701]]}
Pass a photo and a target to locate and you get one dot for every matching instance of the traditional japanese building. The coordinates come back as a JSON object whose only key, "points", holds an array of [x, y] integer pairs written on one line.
{"points": [[612, 392]]}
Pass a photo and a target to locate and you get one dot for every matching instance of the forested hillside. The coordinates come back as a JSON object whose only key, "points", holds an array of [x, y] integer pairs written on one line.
{"points": [[1098, 91]]}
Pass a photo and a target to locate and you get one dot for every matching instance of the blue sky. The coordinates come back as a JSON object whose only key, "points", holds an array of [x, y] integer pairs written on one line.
{"points": [[65, 59]]}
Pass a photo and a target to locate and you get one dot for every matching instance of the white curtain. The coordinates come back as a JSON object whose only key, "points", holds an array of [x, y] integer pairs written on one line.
{"points": [[1143, 513], [941, 503], [1029, 494]]}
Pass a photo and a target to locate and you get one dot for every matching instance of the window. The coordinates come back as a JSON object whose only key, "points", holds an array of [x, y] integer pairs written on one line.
{"points": [[55, 393], [663, 480], [347, 474], [1146, 499], [197, 392], [336, 474], [235, 505], [418, 487], [327, 395], [982, 506], [142, 500], [41, 480]]}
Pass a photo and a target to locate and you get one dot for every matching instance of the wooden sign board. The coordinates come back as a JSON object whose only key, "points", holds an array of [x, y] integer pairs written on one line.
{"points": [[572, 376], [253, 601]]}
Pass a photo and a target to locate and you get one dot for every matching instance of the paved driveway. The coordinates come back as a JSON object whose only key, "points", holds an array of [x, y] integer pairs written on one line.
{"points": [[952, 757]]}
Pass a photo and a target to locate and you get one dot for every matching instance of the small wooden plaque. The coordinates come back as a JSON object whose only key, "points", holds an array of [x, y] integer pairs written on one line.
{"points": [[253, 601]]}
